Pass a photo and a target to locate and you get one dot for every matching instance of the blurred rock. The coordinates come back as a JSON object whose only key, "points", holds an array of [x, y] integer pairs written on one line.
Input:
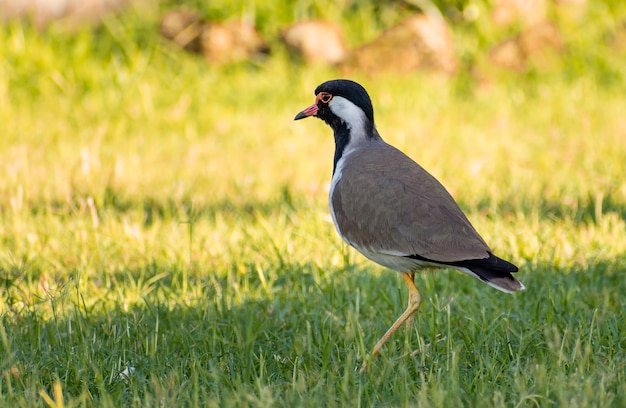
{"points": [[508, 54], [183, 27], [231, 42], [422, 41], [316, 41], [219, 43], [532, 46], [70, 12], [527, 12]]}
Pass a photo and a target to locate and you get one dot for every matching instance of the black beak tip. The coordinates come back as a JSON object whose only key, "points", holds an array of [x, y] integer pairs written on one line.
{"points": [[301, 115]]}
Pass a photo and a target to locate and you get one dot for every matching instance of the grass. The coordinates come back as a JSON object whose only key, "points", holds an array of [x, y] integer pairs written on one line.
{"points": [[165, 238]]}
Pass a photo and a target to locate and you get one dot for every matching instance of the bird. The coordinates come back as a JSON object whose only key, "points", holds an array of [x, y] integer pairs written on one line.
{"points": [[390, 209]]}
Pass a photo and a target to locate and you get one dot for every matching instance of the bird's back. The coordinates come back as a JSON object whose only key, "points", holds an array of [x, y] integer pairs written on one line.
{"points": [[384, 202]]}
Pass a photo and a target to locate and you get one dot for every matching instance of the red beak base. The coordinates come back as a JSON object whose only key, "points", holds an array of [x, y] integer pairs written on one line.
{"points": [[310, 111]]}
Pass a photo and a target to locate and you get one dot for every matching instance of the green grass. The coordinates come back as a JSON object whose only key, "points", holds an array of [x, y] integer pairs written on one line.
{"points": [[167, 217]]}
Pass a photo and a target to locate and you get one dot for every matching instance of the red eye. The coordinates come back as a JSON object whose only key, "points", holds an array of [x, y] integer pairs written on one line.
{"points": [[325, 97]]}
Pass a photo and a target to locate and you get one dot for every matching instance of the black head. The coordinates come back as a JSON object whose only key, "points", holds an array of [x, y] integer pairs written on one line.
{"points": [[347, 108], [349, 90]]}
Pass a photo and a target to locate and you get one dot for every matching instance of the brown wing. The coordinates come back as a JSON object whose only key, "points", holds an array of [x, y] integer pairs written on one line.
{"points": [[385, 202]]}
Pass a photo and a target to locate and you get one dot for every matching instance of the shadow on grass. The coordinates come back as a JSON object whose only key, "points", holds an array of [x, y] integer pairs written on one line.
{"points": [[235, 336], [218, 338]]}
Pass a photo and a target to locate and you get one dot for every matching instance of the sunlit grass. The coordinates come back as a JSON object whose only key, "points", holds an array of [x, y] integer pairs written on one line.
{"points": [[167, 219]]}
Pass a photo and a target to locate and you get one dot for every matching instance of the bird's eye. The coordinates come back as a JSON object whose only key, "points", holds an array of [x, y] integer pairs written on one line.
{"points": [[325, 97]]}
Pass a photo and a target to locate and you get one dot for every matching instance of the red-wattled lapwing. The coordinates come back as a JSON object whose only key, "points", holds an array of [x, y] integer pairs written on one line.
{"points": [[392, 210]]}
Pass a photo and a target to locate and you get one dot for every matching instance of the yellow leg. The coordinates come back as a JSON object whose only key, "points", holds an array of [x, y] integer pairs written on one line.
{"points": [[415, 299], [411, 300]]}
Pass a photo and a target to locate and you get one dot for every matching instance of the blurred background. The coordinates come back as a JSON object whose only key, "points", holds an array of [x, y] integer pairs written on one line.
{"points": [[162, 214], [93, 91]]}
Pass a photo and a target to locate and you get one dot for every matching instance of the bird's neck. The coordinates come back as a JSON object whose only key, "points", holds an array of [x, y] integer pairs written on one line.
{"points": [[348, 138]]}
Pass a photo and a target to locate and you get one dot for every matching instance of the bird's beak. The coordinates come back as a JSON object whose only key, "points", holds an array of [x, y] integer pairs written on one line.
{"points": [[310, 111]]}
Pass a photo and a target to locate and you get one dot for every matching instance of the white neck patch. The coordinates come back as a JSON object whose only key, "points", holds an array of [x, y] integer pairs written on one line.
{"points": [[352, 115]]}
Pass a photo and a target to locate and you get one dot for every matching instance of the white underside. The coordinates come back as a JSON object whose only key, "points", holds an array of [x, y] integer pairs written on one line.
{"points": [[401, 263]]}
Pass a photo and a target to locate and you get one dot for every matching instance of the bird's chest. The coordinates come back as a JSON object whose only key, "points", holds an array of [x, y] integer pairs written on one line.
{"points": [[348, 203], [337, 176]]}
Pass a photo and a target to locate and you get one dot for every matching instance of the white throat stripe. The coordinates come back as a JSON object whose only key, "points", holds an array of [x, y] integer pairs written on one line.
{"points": [[352, 115]]}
